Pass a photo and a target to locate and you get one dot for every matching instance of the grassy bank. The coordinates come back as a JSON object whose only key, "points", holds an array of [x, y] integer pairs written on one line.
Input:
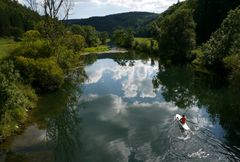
{"points": [[6, 46], [101, 48]]}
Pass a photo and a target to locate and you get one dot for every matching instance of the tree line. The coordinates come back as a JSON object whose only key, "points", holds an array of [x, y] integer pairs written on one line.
{"points": [[203, 32], [15, 19]]}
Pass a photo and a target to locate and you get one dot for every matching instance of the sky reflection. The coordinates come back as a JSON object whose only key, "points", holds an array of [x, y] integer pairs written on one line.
{"points": [[133, 81]]}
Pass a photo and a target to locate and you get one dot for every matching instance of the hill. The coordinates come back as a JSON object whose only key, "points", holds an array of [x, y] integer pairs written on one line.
{"points": [[133, 20], [15, 18]]}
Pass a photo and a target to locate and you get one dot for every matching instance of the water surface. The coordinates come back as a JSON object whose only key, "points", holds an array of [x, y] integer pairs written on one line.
{"points": [[124, 111]]}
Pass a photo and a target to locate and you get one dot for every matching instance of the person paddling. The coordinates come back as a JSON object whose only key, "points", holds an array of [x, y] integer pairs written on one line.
{"points": [[183, 119]]}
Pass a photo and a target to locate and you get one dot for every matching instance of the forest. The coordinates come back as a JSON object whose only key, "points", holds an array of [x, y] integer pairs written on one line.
{"points": [[203, 33], [135, 21]]}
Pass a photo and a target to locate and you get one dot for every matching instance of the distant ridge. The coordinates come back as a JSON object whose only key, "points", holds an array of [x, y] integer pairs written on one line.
{"points": [[133, 20]]}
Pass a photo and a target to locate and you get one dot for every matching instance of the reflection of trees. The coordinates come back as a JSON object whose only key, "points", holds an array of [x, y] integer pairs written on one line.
{"points": [[64, 135], [177, 85], [88, 59], [185, 87], [63, 132], [57, 113], [129, 59]]}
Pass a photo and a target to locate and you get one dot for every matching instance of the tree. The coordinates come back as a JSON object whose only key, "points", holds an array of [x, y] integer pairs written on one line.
{"points": [[176, 34], [103, 37], [57, 8], [32, 4], [91, 36], [123, 38], [224, 42], [209, 15]]}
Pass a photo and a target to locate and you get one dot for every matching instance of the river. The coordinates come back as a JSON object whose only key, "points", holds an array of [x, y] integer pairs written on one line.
{"points": [[123, 110]]}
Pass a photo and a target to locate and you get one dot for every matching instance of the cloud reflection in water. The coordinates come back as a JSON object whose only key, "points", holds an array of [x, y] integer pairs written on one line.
{"points": [[135, 81]]}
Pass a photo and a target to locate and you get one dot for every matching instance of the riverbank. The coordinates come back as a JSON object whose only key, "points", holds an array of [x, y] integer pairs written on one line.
{"points": [[103, 49], [18, 126]]}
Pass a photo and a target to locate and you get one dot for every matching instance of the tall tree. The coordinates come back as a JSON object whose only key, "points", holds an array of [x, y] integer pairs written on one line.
{"points": [[57, 8], [176, 35], [32, 4]]}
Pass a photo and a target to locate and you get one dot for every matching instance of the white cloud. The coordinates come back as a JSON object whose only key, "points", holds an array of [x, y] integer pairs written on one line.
{"points": [[88, 8], [134, 5]]}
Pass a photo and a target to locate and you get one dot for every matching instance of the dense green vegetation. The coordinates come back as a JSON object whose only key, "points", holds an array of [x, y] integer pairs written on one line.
{"points": [[147, 45], [175, 33], [41, 61], [6, 45], [223, 48], [16, 99], [131, 20], [88, 32], [123, 38], [181, 30], [15, 18], [209, 14], [37, 64]]}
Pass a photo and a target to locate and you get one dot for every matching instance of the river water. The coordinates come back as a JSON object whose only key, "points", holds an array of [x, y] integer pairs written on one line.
{"points": [[123, 110]]}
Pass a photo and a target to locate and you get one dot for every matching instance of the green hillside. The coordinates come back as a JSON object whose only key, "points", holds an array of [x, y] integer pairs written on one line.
{"points": [[15, 18], [133, 20]]}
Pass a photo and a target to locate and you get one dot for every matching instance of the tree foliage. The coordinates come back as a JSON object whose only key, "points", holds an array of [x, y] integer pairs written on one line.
{"points": [[15, 18], [209, 15], [123, 38], [42, 73], [175, 33], [15, 98], [109, 23], [88, 32], [103, 36], [224, 42]]}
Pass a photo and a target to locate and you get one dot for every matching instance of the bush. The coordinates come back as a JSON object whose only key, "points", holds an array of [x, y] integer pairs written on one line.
{"points": [[15, 99], [233, 63], [31, 35], [66, 58], [74, 42], [43, 73], [35, 49], [224, 42]]}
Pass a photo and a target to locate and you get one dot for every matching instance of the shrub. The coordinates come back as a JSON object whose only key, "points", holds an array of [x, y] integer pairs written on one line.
{"points": [[233, 63], [74, 42], [15, 99], [43, 73], [34, 49], [66, 58]]}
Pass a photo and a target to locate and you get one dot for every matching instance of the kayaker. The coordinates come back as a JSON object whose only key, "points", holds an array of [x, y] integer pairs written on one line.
{"points": [[183, 119]]}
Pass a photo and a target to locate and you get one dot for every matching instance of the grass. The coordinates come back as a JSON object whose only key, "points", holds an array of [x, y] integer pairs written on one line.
{"points": [[101, 48], [144, 40], [6, 46]]}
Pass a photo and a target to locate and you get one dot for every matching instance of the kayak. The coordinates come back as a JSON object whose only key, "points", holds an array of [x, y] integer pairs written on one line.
{"points": [[184, 126]]}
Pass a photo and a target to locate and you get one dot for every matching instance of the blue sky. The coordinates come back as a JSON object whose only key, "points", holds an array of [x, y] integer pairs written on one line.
{"points": [[88, 8]]}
